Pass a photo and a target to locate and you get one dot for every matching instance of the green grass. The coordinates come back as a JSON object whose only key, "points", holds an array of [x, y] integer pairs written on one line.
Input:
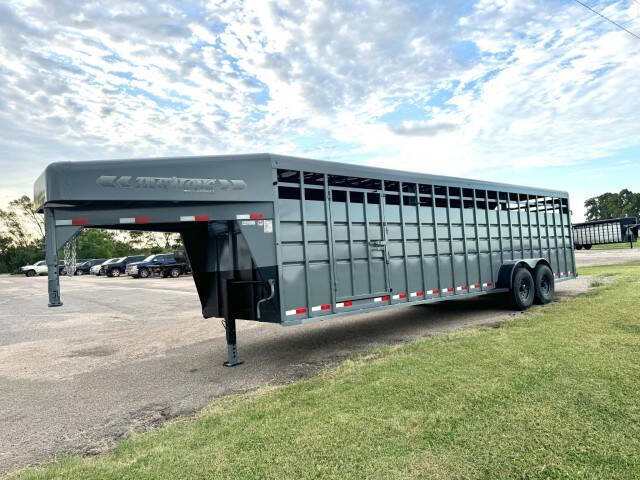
{"points": [[554, 393], [615, 246]]}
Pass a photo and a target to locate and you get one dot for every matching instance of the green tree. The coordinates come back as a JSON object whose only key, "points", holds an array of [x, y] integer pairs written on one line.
{"points": [[613, 205]]}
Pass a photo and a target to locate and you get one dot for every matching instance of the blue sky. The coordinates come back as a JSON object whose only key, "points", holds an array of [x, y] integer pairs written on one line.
{"points": [[543, 93]]}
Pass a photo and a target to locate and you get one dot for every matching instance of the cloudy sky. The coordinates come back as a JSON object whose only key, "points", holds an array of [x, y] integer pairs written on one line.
{"points": [[543, 93]]}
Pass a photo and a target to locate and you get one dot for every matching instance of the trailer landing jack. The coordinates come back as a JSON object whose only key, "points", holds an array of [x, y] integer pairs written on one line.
{"points": [[232, 348]]}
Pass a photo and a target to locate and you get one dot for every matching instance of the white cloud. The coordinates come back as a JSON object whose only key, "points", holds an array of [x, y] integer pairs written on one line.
{"points": [[525, 84]]}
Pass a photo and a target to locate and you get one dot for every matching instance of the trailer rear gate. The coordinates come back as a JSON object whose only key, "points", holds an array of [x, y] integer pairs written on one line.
{"points": [[291, 240]]}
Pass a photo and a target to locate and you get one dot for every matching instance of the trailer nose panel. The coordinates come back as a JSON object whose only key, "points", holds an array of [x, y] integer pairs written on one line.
{"points": [[233, 178]]}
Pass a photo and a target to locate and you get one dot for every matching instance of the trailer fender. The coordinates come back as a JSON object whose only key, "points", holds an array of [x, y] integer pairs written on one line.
{"points": [[507, 269]]}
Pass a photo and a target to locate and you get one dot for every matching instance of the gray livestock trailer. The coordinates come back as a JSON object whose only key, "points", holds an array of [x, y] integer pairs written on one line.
{"points": [[600, 232], [289, 240]]}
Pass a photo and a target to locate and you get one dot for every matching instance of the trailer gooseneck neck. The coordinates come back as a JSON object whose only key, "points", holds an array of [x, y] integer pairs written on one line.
{"points": [[289, 240]]}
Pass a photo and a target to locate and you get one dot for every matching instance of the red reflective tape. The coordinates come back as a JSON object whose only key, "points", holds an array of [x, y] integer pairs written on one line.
{"points": [[348, 304], [419, 293], [325, 307], [300, 310], [385, 298], [143, 220], [403, 295], [489, 284], [476, 285], [436, 291], [256, 216], [79, 221], [201, 218], [464, 287]]}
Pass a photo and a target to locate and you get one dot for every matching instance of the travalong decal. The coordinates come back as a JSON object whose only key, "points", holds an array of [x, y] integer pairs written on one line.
{"points": [[174, 183]]}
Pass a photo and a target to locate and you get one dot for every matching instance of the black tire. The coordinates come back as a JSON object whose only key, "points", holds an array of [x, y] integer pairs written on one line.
{"points": [[523, 289], [174, 272], [114, 272], [144, 273], [578, 246], [545, 287], [30, 273], [587, 246]]}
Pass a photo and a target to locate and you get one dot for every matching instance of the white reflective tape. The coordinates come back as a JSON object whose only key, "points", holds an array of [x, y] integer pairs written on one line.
{"points": [[291, 312], [377, 299], [340, 305], [458, 288], [64, 222], [128, 220], [396, 297], [243, 217], [188, 218], [429, 292], [413, 294], [317, 308], [485, 284]]}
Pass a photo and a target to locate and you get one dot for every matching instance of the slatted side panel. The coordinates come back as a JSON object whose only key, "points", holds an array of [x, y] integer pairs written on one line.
{"points": [[349, 243]]}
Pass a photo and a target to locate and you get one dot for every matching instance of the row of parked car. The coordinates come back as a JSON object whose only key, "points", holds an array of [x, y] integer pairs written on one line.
{"points": [[139, 266]]}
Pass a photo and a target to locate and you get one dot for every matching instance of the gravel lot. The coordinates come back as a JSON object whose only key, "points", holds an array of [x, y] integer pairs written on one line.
{"points": [[586, 258], [126, 354]]}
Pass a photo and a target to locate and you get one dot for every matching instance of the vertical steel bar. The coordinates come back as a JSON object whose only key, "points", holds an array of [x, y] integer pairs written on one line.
{"points": [[475, 223], [499, 215], [529, 226], [564, 245], [555, 231], [305, 236], [453, 268], [276, 232], [538, 227], [571, 243], [419, 219], [350, 234], [463, 224], [365, 205], [435, 238], [489, 238], [510, 225], [520, 225], [330, 245], [404, 240]]}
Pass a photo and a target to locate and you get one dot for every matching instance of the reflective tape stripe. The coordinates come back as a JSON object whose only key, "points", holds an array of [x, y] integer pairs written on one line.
{"points": [[487, 284], [250, 216], [475, 285], [343, 304], [135, 220], [435, 291], [296, 311], [384, 298], [447, 290], [75, 221], [319, 308], [399, 296], [461, 287], [195, 218], [416, 294]]}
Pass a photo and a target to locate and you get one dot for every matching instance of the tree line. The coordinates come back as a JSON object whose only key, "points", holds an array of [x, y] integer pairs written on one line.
{"points": [[22, 239], [613, 205]]}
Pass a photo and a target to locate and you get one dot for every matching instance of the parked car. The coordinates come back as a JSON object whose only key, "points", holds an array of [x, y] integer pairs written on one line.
{"points": [[115, 269], [84, 267], [38, 268], [164, 264], [96, 269]]}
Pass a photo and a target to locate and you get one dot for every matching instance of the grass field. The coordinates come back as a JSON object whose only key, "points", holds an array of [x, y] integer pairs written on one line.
{"points": [[554, 393], [616, 246]]}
